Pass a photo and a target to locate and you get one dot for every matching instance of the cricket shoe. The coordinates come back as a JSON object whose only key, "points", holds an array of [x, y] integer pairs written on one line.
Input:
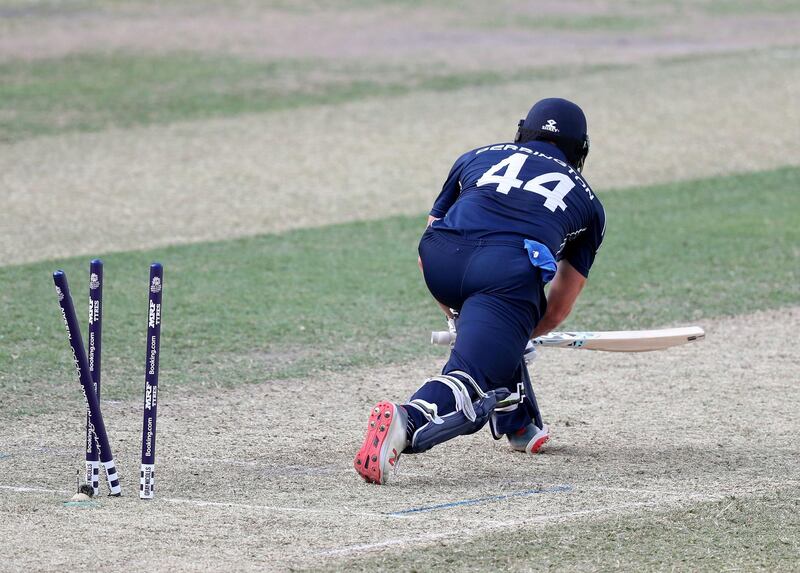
{"points": [[385, 440], [530, 438]]}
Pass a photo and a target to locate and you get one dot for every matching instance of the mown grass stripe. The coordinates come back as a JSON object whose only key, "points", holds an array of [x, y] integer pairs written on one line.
{"points": [[741, 532], [93, 92], [350, 295]]}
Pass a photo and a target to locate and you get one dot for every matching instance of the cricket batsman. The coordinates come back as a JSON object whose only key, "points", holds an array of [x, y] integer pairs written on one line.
{"points": [[511, 218]]}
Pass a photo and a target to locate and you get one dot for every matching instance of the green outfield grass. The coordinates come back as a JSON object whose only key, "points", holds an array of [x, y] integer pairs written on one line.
{"points": [[351, 295], [92, 92], [573, 23], [689, 250], [718, 7]]}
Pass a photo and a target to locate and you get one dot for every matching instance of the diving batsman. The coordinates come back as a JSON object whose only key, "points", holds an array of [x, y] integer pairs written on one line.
{"points": [[510, 219]]}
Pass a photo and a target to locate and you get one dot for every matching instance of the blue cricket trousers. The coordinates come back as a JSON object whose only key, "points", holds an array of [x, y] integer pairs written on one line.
{"points": [[500, 298]]}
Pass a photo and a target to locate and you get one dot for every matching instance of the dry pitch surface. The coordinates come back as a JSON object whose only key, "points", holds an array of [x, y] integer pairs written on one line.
{"points": [[261, 476]]}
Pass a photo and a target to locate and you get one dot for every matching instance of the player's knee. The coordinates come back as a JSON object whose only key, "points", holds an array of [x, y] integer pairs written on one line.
{"points": [[452, 405], [439, 396]]}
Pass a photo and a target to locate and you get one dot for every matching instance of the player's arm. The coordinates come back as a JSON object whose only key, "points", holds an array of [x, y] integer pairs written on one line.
{"points": [[444, 307], [447, 196], [450, 190], [573, 270], [431, 219], [564, 291]]}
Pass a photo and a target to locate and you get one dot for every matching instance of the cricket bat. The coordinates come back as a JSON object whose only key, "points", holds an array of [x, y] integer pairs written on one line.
{"points": [[607, 341]]}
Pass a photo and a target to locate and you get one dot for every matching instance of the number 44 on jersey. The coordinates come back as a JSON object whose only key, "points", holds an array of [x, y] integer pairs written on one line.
{"points": [[554, 199]]}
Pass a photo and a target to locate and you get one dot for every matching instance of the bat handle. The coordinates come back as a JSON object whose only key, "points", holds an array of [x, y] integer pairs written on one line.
{"points": [[442, 337], [530, 353]]}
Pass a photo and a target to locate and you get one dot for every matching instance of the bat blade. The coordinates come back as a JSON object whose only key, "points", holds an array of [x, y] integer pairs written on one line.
{"points": [[607, 341], [623, 340]]}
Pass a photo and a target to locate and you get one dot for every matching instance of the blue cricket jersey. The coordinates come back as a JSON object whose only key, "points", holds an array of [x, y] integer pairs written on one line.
{"points": [[516, 192]]}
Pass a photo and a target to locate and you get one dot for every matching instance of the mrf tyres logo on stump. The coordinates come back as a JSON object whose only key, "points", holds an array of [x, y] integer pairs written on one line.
{"points": [[92, 457], [147, 471]]}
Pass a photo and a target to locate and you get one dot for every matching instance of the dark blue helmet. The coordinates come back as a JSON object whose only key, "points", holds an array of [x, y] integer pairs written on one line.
{"points": [[560, 121]]}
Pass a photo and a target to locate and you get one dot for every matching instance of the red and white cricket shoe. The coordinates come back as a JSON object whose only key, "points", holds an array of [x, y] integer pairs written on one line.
{"points": [[383, 444], [530, 438]]}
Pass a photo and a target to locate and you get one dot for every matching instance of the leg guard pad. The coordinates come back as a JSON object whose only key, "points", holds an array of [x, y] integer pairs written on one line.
{"points": [[454, 424], [447, 406]]}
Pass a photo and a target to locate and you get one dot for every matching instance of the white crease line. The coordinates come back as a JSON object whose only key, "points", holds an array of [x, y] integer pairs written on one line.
{"points": [[204, 503], [482, 528], [274, 468], [225, 461], [578, 488], [288, 470], [32, 489]]}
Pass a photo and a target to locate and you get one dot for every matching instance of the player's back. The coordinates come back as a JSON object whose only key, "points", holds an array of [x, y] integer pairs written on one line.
{"points": [[509, 191]]}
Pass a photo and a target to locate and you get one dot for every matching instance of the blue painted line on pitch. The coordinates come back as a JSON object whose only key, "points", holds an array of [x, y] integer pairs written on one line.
{"points": [[480, 500], [5, 456]]}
